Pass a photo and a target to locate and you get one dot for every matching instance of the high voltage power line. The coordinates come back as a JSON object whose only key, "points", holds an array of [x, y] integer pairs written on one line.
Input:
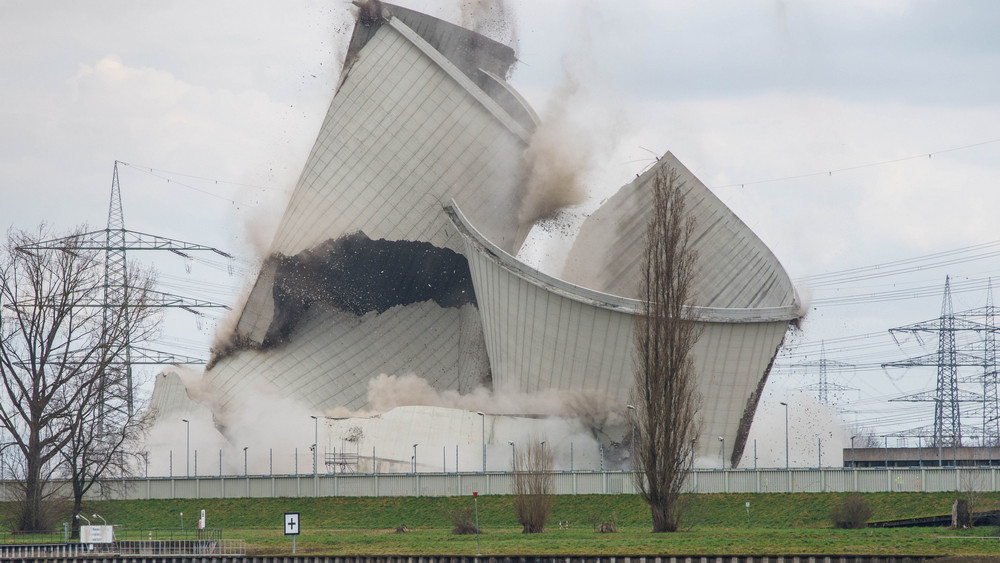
{"points": [[832, 171]]}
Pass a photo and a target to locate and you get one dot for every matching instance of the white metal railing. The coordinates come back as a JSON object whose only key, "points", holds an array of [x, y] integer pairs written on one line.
{"points": [[181, 547], [131, 548]]}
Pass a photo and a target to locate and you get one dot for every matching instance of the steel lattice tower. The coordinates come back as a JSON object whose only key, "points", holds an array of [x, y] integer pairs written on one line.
{"points": [[991, 401], [115, 241], [115, 274], [947, 395], [991, 396], [823, 385], [947, 409]]}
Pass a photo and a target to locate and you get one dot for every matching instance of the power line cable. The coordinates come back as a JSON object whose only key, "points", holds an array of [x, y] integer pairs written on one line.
{"points": [[856, 167]]}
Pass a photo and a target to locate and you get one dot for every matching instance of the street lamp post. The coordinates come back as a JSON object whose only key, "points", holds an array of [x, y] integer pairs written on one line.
{"points": [[853, 465], [786, 434], [187, 449], [632, 444], [722, 451], [415, 458], [482, 414], [513, 457], [315, 447], [245, 460]]}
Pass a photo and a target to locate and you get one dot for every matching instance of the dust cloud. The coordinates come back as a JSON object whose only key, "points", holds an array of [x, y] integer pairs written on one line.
{"points": [[386, 392], [811, 425], [581, 126], [265, 432]]}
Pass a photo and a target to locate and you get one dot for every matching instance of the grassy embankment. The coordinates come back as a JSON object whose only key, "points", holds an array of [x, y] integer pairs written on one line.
{"points": [[714, 524]]}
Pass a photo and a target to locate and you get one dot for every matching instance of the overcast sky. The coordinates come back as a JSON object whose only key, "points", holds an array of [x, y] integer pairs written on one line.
{"points": [[760, 99]]}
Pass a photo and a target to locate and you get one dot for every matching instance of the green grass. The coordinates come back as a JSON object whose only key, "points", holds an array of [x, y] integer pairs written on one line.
{"points": [[713, 524]]}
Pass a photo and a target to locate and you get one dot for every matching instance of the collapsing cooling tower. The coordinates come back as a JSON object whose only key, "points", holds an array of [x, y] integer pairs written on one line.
{"points": [[395, 253]]}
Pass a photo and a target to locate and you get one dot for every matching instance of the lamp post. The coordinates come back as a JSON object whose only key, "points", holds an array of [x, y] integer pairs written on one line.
{"points": [[786, 434], [245, 460], [187, 449], [415, 458], [315, 447], [513, 457], [853, 466], [722, 451], [632, 444], [482, 414]]}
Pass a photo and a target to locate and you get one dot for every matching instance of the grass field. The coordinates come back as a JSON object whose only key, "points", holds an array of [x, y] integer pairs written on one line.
{"points": [[713, 524]]}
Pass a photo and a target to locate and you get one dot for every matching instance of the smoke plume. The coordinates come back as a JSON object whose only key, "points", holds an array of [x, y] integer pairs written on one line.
{"points": [[579, 127], [386, 392]]}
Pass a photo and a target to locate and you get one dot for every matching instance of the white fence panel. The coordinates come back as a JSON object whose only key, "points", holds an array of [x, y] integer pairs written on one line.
{"points": [[566, 483]]}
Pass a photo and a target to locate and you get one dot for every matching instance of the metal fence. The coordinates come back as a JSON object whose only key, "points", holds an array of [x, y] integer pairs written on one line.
{"points": [[566, 483], [181, 547]]}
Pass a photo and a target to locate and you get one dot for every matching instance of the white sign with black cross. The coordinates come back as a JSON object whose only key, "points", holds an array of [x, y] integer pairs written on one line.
{"points": [[292, 526]]}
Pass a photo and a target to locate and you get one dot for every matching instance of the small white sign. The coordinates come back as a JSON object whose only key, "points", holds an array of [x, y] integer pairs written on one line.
{"points": [[96, 534], [291, 523]]}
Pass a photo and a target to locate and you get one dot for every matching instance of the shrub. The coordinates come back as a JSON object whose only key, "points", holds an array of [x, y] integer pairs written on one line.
{"points": [[533, 487], [852, 513], [462, 521], [603, 526]]}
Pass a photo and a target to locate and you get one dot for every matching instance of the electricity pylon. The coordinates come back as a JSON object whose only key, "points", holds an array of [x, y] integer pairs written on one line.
{"points": [[115, 241], [823, 385], [947, 396], [991, 397]]}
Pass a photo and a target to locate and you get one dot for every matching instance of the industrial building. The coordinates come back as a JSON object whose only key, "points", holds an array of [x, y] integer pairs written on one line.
{"points": [[396, 254]]}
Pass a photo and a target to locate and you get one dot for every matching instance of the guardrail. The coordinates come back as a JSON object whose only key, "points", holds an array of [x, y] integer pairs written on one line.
{"points": [[927, 479]]}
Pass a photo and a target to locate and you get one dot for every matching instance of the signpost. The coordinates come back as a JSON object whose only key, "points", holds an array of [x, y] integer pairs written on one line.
{"points": [[292, 526], [475, 500]]}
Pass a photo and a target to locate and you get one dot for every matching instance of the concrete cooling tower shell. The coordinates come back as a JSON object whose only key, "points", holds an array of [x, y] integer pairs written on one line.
{"points": [[545, 333], [735, 269], [422, 115], [395, 253]]}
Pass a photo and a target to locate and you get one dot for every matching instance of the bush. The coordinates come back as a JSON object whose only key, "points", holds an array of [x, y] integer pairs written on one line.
{"points": [[463, 521], [851, 514], [603, 526], [533, 487]]}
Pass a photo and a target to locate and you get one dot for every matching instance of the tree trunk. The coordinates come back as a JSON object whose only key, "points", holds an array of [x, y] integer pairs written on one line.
{"points": [[31, 512], [663, 520], [74, 521]]}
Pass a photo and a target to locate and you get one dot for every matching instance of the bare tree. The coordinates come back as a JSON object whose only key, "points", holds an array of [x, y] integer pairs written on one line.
{"points": [[664, 397], [58, 348], [102, 440], [534, 486]]}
